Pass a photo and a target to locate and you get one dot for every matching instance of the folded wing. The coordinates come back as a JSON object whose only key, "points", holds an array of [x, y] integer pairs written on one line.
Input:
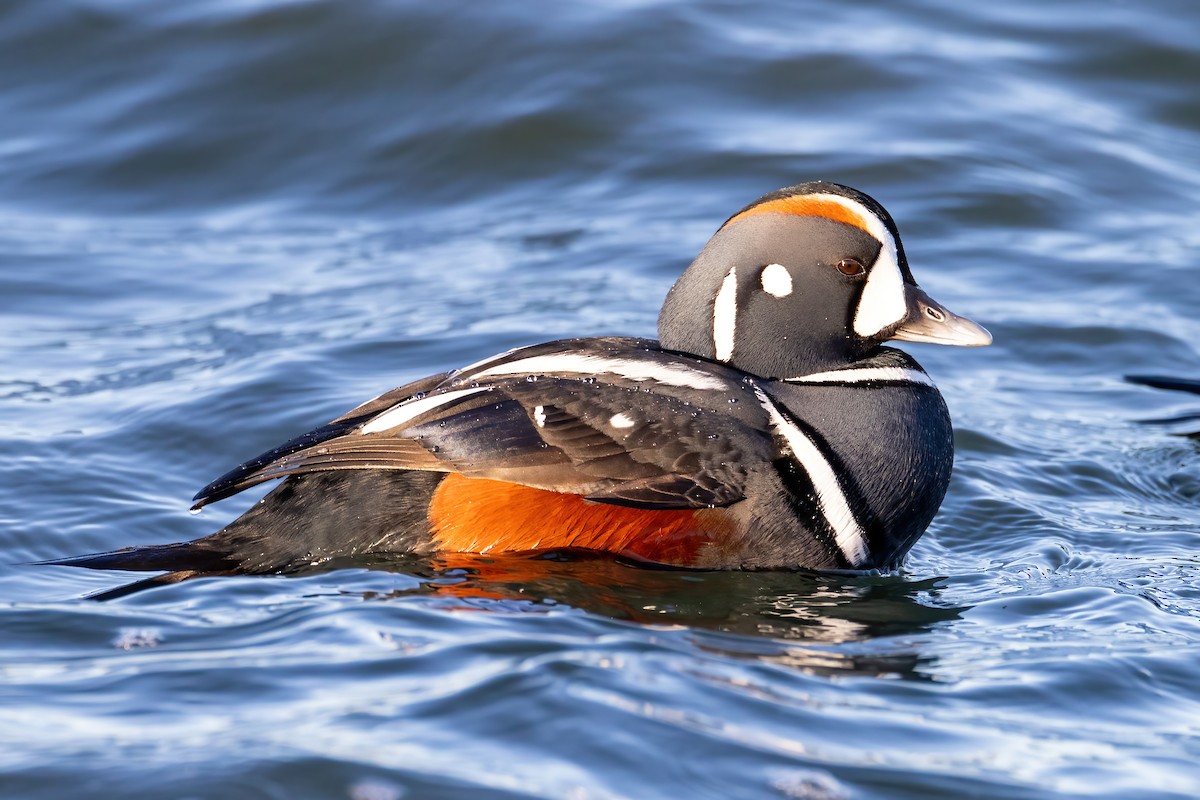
{"points": [[614, 420]]}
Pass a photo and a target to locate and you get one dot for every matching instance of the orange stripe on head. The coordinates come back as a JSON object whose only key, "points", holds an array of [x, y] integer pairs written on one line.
{"points": [[807, 205], [476, 515]]}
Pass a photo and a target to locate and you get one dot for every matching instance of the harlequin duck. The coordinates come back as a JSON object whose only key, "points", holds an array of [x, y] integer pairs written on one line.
{"points": [[766, 428]]}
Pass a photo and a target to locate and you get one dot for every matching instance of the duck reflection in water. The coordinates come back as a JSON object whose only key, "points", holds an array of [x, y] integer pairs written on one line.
{"points": [[1176, 385], [819, 622]]}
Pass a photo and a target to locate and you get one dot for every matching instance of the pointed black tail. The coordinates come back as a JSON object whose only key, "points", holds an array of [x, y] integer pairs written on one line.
{"points": [[303, 522], [193, 557], [148, 583], [181, 560]]}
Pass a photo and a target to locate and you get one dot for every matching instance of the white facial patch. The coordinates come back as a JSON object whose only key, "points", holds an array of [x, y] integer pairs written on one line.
{"points": [[725, 316], [831, 498], [883, 301], [621, 420], [776, 280], [411, 409]]}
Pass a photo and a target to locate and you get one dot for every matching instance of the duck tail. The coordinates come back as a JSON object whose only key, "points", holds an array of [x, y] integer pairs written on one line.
{"points": [[147, 583], [305, 521], [195, 557], [182, 560]]}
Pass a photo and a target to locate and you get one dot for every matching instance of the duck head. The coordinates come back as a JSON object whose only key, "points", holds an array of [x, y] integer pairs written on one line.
{"points": [[805, 279]]}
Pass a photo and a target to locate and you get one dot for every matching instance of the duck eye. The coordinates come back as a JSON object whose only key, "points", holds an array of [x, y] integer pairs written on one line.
{"points": [[850, 266]]}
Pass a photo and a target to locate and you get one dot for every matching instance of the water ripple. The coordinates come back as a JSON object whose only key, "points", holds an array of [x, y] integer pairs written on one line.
{"points": [[225, 222]]}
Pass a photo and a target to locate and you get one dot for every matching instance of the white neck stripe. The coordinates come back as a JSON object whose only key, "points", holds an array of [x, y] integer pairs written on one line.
{"points": [[631, 369], [866, 375], [411, 409], [831, 499], [725, 316]]}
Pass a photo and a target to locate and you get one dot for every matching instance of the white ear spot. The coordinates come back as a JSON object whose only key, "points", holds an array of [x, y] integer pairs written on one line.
{"points": [[776, 280]]}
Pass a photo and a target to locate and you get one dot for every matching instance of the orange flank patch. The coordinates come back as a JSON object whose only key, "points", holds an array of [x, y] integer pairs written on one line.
{"points": [[806, 206], [476, 515]]}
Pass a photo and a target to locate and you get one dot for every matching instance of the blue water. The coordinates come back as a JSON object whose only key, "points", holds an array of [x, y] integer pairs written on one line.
{"points": [[222, 223]]}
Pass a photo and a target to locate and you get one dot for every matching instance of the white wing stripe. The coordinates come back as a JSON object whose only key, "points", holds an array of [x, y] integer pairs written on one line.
{"points": [[411, 409], [851, 538], [628, 368], [866, 375]]}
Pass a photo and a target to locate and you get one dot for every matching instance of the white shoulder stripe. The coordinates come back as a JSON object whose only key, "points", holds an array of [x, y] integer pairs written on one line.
{"points": [[631, 369], [411, 409], [485, 361], [866, 375], [851, 539], [725, 316]]}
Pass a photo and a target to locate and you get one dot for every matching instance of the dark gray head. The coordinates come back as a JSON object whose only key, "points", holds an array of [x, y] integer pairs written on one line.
{"points": [[804, 279]]}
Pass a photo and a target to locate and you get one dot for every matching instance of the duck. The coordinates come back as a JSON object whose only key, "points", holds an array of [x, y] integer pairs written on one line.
{"points": [[769, 426]]}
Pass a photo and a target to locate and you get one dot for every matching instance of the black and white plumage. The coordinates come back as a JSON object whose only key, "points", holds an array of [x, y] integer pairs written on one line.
{"points": [[768, 426]]}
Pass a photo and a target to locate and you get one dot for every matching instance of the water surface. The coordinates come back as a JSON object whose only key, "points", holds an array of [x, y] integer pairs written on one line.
{"points": [[224, 222]]}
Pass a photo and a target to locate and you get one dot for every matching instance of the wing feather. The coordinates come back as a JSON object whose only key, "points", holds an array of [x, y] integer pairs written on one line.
{"points": [[620, 439]]}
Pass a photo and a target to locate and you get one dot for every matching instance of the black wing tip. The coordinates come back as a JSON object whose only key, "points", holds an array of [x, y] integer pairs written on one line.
{"points": [[245, 475], [215, 491]]}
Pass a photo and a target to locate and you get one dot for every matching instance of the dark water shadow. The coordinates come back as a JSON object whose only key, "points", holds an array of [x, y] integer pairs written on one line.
{"points": [[825, 623], [1168, 383]]}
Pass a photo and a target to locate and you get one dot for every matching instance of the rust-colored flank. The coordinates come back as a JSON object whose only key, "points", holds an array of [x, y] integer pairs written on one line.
{"points": [[476, 515]]}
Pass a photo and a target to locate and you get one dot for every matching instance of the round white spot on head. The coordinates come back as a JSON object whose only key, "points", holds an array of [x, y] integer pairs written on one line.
{"points": [[776, 280]]}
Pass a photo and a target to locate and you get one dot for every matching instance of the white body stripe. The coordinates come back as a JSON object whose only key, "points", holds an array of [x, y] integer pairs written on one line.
{"points": [[485, 361], [725, 316], [866, 375], [411, 409], [776, 280], [630, 369], [851, 539], [883, 301]]}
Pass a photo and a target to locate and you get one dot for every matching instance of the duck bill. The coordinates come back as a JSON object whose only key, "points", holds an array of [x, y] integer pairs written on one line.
{"points": [[930, 321]]}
